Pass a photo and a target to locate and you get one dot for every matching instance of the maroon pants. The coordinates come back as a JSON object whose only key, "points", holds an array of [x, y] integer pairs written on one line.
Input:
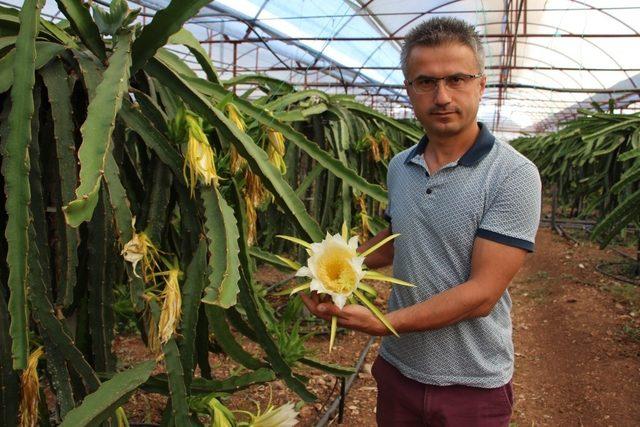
{"points": [[403, 402]]}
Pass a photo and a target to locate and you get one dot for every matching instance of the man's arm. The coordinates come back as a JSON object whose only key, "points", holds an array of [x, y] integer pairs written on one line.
{"points": [[382, 256], [493, 266]]}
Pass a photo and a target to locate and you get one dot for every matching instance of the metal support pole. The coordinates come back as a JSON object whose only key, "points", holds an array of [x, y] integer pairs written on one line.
{"points": [[235, 64]]}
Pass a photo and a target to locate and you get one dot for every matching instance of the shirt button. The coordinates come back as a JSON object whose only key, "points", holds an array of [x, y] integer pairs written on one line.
{"points": [[429, 191]]}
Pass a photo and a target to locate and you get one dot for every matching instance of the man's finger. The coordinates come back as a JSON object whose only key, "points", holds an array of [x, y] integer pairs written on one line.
{"points": [[309, 302], [312, 305], [329, 309], [315, 297]]}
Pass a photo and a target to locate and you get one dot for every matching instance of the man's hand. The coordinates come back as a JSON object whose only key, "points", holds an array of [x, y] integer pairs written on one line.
{"points": [[352, 316]]}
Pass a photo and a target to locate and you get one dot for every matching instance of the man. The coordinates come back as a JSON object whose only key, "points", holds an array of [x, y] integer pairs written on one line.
{"points": [[467, 208]]}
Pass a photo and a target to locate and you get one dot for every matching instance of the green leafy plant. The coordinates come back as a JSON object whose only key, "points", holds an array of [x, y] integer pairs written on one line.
{"points": [[594, 163], [134, 189]]}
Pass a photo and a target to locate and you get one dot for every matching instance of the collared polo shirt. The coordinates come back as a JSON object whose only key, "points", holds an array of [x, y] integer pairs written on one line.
{"points": [[492, 192]]}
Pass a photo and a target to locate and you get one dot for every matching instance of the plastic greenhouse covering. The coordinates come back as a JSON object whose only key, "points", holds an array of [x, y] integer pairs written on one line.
{"points": [[544, 58]]}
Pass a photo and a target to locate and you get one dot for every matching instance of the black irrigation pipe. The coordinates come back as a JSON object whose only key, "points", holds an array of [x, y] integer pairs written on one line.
{"points": [[571, 221], [624, 255], [280, 283], [587, 225], [345, 386], [561, 231], [578, 223], [599, 267], [601, 270]]}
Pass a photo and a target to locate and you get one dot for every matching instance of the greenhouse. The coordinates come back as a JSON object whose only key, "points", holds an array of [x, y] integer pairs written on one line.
{"points": [[354, 212]]}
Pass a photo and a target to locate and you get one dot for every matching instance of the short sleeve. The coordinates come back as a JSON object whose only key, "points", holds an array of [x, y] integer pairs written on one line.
{"points": [[513, 215]]}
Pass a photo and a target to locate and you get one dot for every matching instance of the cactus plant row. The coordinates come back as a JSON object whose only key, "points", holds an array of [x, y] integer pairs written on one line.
{"points": [[123, 171]]}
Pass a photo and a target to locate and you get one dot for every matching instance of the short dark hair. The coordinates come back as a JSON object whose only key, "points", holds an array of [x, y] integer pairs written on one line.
{"points": [[439, 31]]}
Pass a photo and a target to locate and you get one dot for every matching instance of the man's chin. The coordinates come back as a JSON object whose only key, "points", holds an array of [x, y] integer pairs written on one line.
{"points": [[443, 129]]}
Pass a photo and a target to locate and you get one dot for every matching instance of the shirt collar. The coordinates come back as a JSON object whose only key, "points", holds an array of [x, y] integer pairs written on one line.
{"points": [[480, 148]]}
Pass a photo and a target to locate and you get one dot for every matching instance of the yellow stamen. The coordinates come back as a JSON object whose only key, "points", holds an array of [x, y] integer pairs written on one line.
{"points": [[336, 272]]}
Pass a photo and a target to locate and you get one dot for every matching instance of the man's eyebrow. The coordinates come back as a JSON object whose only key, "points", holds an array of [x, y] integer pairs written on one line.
{"points": [[423, 76]]}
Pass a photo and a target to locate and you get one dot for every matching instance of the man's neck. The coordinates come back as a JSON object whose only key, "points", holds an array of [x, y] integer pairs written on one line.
{"points": [[444, 150]]}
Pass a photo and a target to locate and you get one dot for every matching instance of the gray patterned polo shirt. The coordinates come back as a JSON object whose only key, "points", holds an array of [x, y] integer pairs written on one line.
{"points": [[492, 192]]}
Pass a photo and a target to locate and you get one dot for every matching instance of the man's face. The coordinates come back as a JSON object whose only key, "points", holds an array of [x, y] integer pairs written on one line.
{"points": [[445, 111]]}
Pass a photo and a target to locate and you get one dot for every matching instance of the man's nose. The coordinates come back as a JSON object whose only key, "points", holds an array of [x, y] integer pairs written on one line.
{"points": [[441, 94]]}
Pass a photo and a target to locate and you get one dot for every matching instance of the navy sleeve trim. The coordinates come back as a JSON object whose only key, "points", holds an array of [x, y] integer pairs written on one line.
{"points": [[506, 240]]}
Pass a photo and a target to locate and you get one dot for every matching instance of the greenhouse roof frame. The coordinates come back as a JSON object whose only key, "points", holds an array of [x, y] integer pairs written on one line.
{"points": [[545, 58]]}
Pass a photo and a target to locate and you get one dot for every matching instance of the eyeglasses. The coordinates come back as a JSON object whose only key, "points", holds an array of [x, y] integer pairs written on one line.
{"points": [[425, 84]]}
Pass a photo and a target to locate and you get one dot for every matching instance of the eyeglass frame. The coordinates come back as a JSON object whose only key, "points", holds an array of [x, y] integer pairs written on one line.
{"points": [[444, 79]]}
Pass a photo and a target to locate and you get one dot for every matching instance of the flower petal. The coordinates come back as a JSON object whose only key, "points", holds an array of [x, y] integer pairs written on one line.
{"points": [[316, 285], [353, 243], [304, 272], [339, 300]]}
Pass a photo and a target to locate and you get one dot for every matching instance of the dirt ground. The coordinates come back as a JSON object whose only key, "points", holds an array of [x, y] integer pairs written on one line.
{"points": [[577, 341]]}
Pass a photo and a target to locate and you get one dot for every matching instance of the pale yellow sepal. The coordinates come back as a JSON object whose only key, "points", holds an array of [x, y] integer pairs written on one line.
{"points": [[293, 290], [374, 275], [334, 330], [295, 240], [375, 311], [291, 263], [379, 244]]}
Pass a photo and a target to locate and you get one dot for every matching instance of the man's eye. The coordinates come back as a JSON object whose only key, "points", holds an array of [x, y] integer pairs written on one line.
{"points": [[456, 80], [426, 82]]}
